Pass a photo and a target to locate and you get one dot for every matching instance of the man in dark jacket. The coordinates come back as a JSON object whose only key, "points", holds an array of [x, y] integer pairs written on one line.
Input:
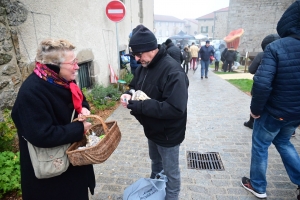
{"points": [[164, 115], [255, 63], [204, 55], [230, 57], [174, 51], [275, 104]]}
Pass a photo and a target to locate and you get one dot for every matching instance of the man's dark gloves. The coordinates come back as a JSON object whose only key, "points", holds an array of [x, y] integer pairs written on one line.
{"points": [[135, 106]]}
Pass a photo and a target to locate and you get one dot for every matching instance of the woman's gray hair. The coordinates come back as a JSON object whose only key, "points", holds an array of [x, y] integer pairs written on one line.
{"points": [[51, 51]]}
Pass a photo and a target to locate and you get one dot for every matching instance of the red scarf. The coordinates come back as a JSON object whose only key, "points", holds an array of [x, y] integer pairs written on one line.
{"points": [[52, 77]]}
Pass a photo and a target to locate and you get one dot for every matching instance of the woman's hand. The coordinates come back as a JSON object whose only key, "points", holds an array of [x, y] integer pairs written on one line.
{"points": [[84, 112], [87, 126]]}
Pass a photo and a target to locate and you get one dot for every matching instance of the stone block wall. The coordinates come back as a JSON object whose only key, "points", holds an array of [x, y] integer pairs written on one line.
{"points": [[257, 17], [10, 74], [220, 25]]}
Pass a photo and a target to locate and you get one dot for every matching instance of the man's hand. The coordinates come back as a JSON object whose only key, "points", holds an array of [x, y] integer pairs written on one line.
{"points": [[124, 99], [254, 116], [135, 106]]}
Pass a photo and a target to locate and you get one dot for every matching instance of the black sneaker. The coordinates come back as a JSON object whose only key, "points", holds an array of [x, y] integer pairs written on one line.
{"points": [[248, 124], [201, 77], [206, 77], [298, 192], [247, 185]]}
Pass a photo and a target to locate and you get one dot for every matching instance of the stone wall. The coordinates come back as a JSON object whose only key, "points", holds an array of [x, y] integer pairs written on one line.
{"points": [[220, 25], [257, 17], [11, 15]]}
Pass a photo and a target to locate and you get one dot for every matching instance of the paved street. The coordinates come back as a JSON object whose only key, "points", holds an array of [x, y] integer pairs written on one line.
{"points": [[216, 112]]}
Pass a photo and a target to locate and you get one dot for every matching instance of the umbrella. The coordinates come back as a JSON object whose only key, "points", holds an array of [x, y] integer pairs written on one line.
{"points": [[200, 37], [185, 36]]}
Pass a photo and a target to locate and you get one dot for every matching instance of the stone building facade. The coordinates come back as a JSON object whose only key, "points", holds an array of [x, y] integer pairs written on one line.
{"points": [[213, 24], [258, 18], [220, 24], [24, 23]]}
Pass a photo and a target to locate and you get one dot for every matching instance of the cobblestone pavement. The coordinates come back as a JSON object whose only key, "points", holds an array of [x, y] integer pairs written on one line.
{"points": [[216, 112]]}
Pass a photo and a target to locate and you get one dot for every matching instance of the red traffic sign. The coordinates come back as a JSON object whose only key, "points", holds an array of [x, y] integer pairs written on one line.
{"points": [[115, 10]]}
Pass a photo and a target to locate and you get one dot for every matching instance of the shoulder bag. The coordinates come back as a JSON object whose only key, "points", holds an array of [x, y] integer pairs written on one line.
{"points": [[49, 162]]}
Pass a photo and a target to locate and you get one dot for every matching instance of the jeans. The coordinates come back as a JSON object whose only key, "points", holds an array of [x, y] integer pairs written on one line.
{"points": [[204, 67], [166, 158], [268, 129]]}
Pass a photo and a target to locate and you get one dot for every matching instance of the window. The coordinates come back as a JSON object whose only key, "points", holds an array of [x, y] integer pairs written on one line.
{"points": [[167, 23], [167, 33], [84, 75], [159, 33], [204, 29], [158, 23]]}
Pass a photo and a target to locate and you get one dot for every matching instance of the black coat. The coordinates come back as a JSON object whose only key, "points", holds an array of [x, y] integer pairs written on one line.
{"points": [[42, 114], [174, 52], [164, 115], [230, 55]]}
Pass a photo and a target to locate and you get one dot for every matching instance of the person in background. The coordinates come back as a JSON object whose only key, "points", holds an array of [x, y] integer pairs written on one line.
{"points": [[173, 51], [194, 53], [42, 113], [164, 115], [217, 59], [230, 57], [224, 65], [133, 63], [186, 59], [275, 104], [204, 56], [254, 65]]}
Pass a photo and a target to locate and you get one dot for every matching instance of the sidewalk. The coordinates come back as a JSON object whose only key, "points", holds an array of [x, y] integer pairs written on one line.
{"points": [[216, 113]]}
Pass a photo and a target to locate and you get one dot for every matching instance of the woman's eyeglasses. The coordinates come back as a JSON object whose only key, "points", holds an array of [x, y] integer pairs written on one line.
{"points": [[74, 62], [139, 55]]}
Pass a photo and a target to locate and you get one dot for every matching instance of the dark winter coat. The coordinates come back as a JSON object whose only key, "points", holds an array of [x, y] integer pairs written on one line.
{"points": [[164, 115], [186, 56], [277, 80], [205, 52], [174, 52], [230, 55], [223, 55], [42, 114]]}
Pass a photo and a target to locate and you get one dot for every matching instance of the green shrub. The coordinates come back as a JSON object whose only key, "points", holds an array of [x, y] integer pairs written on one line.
{"points": [[128, 77], [10, 175], [102, 97], [7, 132]]}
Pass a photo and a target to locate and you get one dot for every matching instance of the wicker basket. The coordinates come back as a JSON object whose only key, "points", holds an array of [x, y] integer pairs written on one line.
{"points": [[101, 151]]}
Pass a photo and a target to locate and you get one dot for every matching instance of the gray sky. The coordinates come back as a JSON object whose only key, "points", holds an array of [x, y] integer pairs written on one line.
{"points": [[188, 8]]}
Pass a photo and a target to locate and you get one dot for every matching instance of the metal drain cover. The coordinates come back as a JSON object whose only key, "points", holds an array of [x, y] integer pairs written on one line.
{"points": [[207, 161]]}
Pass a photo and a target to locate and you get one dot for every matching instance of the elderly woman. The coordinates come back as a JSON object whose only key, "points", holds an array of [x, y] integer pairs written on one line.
{"points": [[42, 114]]}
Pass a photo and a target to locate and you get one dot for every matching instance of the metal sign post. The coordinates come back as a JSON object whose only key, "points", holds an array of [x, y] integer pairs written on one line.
{"points": [[115, 11]]}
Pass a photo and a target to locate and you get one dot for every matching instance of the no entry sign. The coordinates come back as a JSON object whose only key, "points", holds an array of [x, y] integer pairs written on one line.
{"points": [[115, 10]]}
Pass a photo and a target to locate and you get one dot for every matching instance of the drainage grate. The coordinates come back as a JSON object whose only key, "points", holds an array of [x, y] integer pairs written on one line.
{"points": [[208, 161]]}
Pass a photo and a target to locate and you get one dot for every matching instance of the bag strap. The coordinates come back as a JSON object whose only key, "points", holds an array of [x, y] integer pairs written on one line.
{"points": [[73, 115]]}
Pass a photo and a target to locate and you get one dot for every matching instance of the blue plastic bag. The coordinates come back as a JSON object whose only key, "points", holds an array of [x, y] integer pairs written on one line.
{"points": [[147, 188]]}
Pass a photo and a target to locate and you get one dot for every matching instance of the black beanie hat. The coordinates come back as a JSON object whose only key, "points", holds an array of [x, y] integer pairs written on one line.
{"points": [[142, 40], [168, 41]]}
